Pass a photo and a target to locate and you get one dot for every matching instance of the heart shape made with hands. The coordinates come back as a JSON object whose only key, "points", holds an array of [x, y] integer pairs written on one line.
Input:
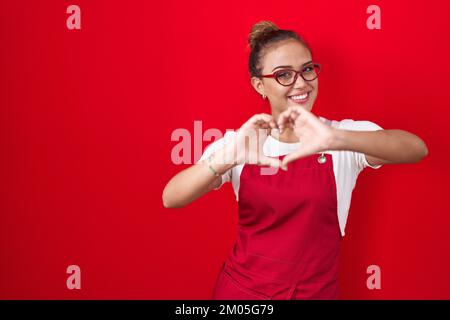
{"points": [[314, 136]]}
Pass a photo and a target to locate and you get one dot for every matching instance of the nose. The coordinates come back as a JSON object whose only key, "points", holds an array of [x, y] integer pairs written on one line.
{"points": [[300, 82]]}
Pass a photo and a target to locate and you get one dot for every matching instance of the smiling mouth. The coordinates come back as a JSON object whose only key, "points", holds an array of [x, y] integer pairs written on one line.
{"points": [[301, 98]]}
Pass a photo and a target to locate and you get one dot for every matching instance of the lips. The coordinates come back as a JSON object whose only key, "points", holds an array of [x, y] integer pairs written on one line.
{"points": [[300, 98]]}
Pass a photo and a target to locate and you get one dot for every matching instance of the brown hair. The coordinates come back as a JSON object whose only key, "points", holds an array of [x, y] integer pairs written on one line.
{"points": [[262, 36]]}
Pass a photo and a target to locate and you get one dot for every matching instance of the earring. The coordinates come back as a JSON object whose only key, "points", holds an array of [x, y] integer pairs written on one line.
{"points": [[264, 97]]}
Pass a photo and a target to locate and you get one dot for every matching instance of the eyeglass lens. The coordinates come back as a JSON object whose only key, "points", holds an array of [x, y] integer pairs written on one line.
{"points": [[287, 77]]}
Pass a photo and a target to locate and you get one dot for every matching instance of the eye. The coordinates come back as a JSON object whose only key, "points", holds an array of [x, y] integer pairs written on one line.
{"points": [[284, 74], [308, 69]]}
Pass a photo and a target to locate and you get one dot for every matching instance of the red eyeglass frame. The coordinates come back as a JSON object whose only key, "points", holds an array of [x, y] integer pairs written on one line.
{"points": [[316, 66]]}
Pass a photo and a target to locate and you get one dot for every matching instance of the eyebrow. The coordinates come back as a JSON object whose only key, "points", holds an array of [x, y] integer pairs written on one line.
{"points": [[291, 66]]}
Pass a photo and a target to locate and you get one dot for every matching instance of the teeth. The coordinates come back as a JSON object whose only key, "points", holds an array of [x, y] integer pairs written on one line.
{"points": [[299, 97]]}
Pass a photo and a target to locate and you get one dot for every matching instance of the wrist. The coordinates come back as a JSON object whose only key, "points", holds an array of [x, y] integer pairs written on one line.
{"points": [[337, 139], [222, 160]]}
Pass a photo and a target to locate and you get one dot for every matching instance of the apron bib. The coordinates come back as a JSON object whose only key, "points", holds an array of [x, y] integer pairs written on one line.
{"points": [[288, 235]]}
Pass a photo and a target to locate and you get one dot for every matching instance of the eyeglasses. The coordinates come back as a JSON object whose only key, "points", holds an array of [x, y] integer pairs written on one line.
{"points": [[287, 77]]}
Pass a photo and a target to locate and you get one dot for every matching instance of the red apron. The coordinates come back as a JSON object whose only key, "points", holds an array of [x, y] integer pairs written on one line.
{"points": [[288, 235]]}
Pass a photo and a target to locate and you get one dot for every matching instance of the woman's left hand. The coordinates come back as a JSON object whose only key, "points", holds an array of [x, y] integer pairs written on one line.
{"points": [[314, 135]]}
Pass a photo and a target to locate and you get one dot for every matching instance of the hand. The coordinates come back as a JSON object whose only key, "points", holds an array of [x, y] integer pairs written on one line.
{"points": [[256, 130], [314, 135]]}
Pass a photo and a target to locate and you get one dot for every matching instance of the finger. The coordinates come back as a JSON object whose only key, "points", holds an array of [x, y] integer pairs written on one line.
{"points": [[265, 116], [273, 124], [294, 115], [290, 122], [283, 119], [268, 161], [298, 112], [287, 119], [282, 116], [262, 124], [299, 122], [262, 117], [291, 157], [256, 120]]}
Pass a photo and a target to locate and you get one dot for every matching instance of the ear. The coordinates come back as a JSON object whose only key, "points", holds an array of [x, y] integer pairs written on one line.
{"points": [[258, 85]]}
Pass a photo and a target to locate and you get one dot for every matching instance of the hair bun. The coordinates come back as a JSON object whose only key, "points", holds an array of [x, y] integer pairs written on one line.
{"points": [[259, 31]]}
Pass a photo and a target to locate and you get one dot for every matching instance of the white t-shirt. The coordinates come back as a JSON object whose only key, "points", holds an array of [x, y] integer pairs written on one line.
{"points": [[346, 164]]}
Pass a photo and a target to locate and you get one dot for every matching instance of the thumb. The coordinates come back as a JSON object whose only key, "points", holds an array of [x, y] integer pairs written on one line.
{"points": [[291, 157], [268, 161]]}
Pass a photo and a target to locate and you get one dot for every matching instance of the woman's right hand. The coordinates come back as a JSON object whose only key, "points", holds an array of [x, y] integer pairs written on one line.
{"points": [[195, 181], [247, 145]]}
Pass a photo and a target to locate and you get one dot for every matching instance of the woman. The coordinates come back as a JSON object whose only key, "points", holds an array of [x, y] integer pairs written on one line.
{"points": [[291, 221]]}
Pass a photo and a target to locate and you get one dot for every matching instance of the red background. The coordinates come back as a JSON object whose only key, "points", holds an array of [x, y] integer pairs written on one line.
{"points": [[87, 116]]}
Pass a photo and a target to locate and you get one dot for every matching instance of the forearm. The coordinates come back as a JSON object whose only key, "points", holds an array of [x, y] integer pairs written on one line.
{"points": [[193, 182], [395, 146]]}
